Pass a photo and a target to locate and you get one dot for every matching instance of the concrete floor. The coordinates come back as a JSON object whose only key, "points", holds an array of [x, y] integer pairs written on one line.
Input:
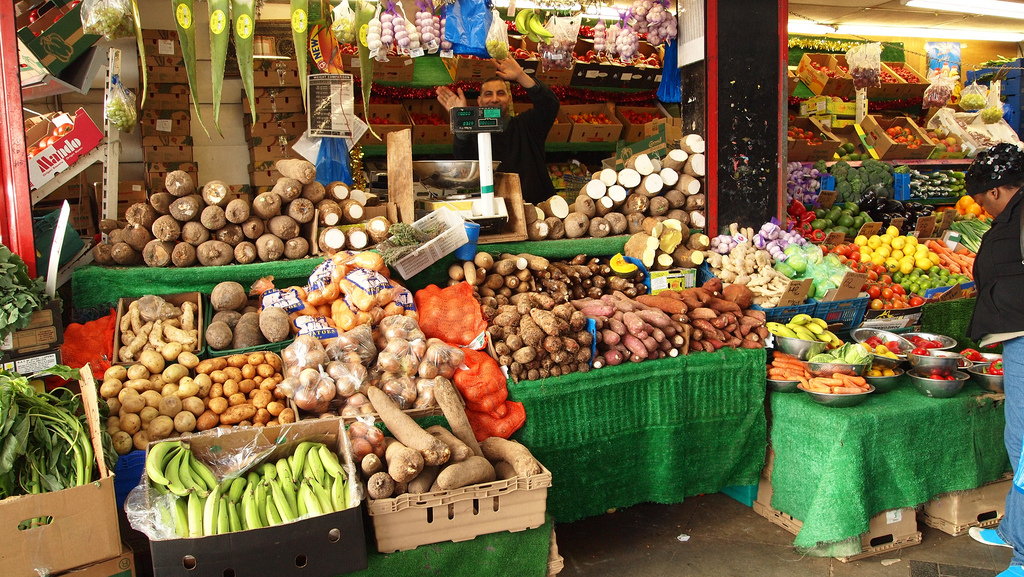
{"points": [[728, 539]]}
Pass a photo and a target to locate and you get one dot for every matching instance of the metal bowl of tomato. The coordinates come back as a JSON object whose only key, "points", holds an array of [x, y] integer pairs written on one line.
{"points": [[988, 375], [938, 387], [935, 362], [931, 341]]}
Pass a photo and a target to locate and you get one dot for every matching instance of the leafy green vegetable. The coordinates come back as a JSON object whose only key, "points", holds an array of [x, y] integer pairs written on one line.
{"points": [[19, 294]]}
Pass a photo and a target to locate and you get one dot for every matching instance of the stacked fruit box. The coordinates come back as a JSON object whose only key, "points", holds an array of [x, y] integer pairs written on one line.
{"points": [[166, 114]]}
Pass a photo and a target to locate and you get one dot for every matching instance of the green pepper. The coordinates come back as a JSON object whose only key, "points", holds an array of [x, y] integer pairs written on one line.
{"points": [[243, 12], [300, 36], [184, 19], [220, 27]]}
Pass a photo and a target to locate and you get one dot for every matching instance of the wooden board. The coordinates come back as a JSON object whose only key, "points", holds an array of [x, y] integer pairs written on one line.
{"points": [[400, 175], [506, 185]]}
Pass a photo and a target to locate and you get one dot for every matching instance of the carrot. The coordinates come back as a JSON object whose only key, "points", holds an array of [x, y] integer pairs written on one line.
{"points": [[847, 390], [828, 381]]}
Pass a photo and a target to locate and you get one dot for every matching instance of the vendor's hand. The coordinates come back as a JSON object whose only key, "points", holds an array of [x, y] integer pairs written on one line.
{"points": [[509, 69], [449, 99]]}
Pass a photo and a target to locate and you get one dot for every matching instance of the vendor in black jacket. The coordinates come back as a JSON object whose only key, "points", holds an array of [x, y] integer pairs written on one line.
{"points": [[520, 147], [994, 180]]}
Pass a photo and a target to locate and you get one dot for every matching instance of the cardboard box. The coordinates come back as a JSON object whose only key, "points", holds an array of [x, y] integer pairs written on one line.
{"points": [[560, 130], [821, 83], [322, 546], [818, 105], [910, 89], [176, 299], [802, 150], [396, 69], [634, 132], [408, 521], [428, 133], [260, 179], [397, 116], [164, 154], [55, 40], [888, 530], [275, 73], [269, 124], [270, 148], [468, 68], [131, 191], [166, 70], [167, 97], [121, 566], [44, 331], [792, 80], [855, 134], [58, 156], [165, 123], [874, 129], [275, 100], [672, 279], [83, 528], [955, 513], [162, 43], [583, 132]]}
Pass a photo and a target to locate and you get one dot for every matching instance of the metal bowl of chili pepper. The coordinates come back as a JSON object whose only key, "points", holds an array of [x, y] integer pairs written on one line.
{"points": [[989, 376]]}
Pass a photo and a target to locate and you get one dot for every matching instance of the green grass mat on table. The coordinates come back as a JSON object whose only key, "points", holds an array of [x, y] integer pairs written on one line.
{"points": [[835, 468], [952, 319], [95, 285], [654, 432], [504, 554]]}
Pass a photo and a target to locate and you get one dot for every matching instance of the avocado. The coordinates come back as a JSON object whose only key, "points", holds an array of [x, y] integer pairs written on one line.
{"points": [[846, 220], [852, 207]]}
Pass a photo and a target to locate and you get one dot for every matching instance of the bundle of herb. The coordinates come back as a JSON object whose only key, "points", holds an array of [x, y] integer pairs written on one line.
{"points": [[405, 239], [20, 296]]}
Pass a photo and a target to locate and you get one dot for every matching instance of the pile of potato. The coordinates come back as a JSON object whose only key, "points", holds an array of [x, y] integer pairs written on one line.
{"points": [[238, 325], [153, 400]]}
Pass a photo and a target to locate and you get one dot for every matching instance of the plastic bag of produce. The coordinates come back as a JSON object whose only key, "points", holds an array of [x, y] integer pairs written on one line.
{"points": [[344, 25], [973, 97], [939, 91], [358, 341], [993, 112], [557, 53], [332, 162], [497, 37], [119, 106], [108, 18], [467, 23], [865, 62]]}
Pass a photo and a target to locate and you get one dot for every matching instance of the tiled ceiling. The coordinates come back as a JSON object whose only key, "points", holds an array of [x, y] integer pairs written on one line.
{"points": [[893, 13]]}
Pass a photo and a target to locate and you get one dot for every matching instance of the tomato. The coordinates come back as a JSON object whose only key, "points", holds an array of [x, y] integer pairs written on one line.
{"points": [[916, 301], [855, 256], [872, 276], [874, 292], [920, 351], [62, 130], [887, 293], [33, 151], [886, 279], [843, 250], [899, 290]]}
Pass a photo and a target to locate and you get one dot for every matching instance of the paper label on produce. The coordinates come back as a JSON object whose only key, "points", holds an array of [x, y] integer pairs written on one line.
{"points": [[316, 327], [952, 294], [287, 299], [405, 298], [827, 198], [479, 343], [374, 52], [870, 229], [740, 238], [416, 53], [893, 516], [948, 216], [165, 47], [321, 276], [834, 238], [32, 364], [897, 222], [795, 293], [369, 281], [164, 125], [849, 287], [447, 54]]}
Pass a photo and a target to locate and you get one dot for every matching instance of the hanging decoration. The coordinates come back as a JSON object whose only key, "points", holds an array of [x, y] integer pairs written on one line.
{"points": [[821, 44], [565, 94], [356, 163]]}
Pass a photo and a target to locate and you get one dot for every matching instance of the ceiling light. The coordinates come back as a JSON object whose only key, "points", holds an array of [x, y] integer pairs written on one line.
{"points": [[983, 7], [808, 27], [943, 33]]}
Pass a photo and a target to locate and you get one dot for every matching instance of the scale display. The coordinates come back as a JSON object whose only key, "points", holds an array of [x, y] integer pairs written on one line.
{"points": [[476, 119]]}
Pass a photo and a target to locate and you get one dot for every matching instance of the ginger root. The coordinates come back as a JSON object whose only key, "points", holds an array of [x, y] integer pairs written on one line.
{"points": [[127, 353], [188, 316]]}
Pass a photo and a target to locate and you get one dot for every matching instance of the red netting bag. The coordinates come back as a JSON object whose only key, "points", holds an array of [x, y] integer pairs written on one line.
{"points": [[452, 315], [485, 425]]}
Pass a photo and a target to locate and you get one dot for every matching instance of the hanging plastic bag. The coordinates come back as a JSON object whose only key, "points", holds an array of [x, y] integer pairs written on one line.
{"points": [[497, 37], [670, 89], [973, 97], [108, 18], [557, 53], [332, 162], [344, 26], [993, 112], [466, 26], [865, 62], [119, 106], [939, 91]]}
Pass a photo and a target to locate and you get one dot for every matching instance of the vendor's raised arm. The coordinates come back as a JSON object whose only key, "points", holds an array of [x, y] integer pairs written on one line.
{"points": [[450, 99]]}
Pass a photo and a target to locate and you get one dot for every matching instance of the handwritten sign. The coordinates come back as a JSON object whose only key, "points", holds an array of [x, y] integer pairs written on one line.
{"points": [[898, 222], [870, 229], [925, 226], [827, 198], [834, 238], [849, 287], [948, 216], [952, 294], [795, 293]]}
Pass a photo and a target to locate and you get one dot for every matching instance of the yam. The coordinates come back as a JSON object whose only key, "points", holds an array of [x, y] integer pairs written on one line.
{"points": [[556, 228], [585, 205], [669, 177], [296, 248], [329, 213], [101, 254], [695, 166], [659, 206], [215, 253], [599, 227], [166, 228], [603, 206], [555, 206], [245, 252], [161, 202], [337, 191], [212, 217], [230, 318], [406, 430], [694, 202], [288, 189], [642, 247], [497, 449], [314, 192], [267, 205], [531, 213], [537, 230], [301, 210], [183, 255], [283, 227], [472, 471], [247, 332], [594, 190], [187, 208], [635, 203], [230, 234], [331, 240], [141, 214], [404, 463], [424, 481], [351, 211], [356, 238], [377, 227], [617, 194], [136, 236], [179, 183], [359, 196], [219, 336], [108, 224], [675, 159], [640, 163], [194, 233], [676, 198], [215, 193], [122, 253], [692, 144], [616, 222], [688, 185], [697, 219], [301, 170], [275, 324], [651, 185], [237, 211], [157, 253], [253, 227], [228, 296], [629, 178], [576, 225], [380, 486], [460, 451], [608, 176], [451, 405]]}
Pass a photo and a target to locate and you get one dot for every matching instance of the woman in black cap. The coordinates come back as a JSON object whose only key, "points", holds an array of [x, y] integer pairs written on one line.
{"points": [[994, 180]]}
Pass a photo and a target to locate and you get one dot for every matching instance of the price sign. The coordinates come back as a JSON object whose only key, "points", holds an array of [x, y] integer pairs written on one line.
{"points": [[827, 198], [331, 105], [925, 226], [834, 238], [795, 293], [898, 222], [870, 229], [849, 287], [952, 294], [948, 216]]}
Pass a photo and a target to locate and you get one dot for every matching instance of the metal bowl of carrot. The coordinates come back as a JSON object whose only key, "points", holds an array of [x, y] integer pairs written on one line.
{"points": [[839, 400]]}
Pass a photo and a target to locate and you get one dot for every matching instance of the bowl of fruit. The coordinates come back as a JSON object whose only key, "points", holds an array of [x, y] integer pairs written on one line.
{"points": [[884, 379], [888, 348], [932, 361], [931, 341], [936, 385], [988, 375]]}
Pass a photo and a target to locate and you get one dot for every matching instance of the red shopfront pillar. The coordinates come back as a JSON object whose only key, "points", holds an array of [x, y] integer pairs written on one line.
{"points": [[16, 208]]}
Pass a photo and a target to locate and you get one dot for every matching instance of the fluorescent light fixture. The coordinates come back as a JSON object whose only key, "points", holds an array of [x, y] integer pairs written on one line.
{"points": [[605, 13], [983, 7], [944, 33], [808, 27]]}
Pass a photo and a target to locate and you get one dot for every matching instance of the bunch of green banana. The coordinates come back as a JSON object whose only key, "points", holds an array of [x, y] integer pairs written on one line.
{"points": [[805, 327], [309, 482], [530, 24]]}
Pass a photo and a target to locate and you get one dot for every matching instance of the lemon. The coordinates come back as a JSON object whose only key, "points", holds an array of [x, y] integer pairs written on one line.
{"points": [[884, 250], [906, 266], [921, 250], [911, 241], [892, 264], [934, 258], [892, 231], [888, 373], [923, 263], [875, 241], [877, 259], [897, 254], [861, 240], [898, 242], [881, 350], [865, 250], [886, 239], [874, 373], [867, 347]]}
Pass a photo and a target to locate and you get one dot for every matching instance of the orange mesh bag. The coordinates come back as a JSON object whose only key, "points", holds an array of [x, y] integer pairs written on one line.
{"points": [[452, 315], [485, 425], [92, 342], [482, 383]]}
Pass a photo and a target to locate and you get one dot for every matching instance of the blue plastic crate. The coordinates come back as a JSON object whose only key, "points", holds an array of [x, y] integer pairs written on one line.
{"points": [[828, 182], [745, 494], [785, 314], [704, 273], [127, 474], [901, 186], [850, 313]]}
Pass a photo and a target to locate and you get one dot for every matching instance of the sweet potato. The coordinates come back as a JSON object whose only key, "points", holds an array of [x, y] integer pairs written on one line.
{"points": [[666, 304]]}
